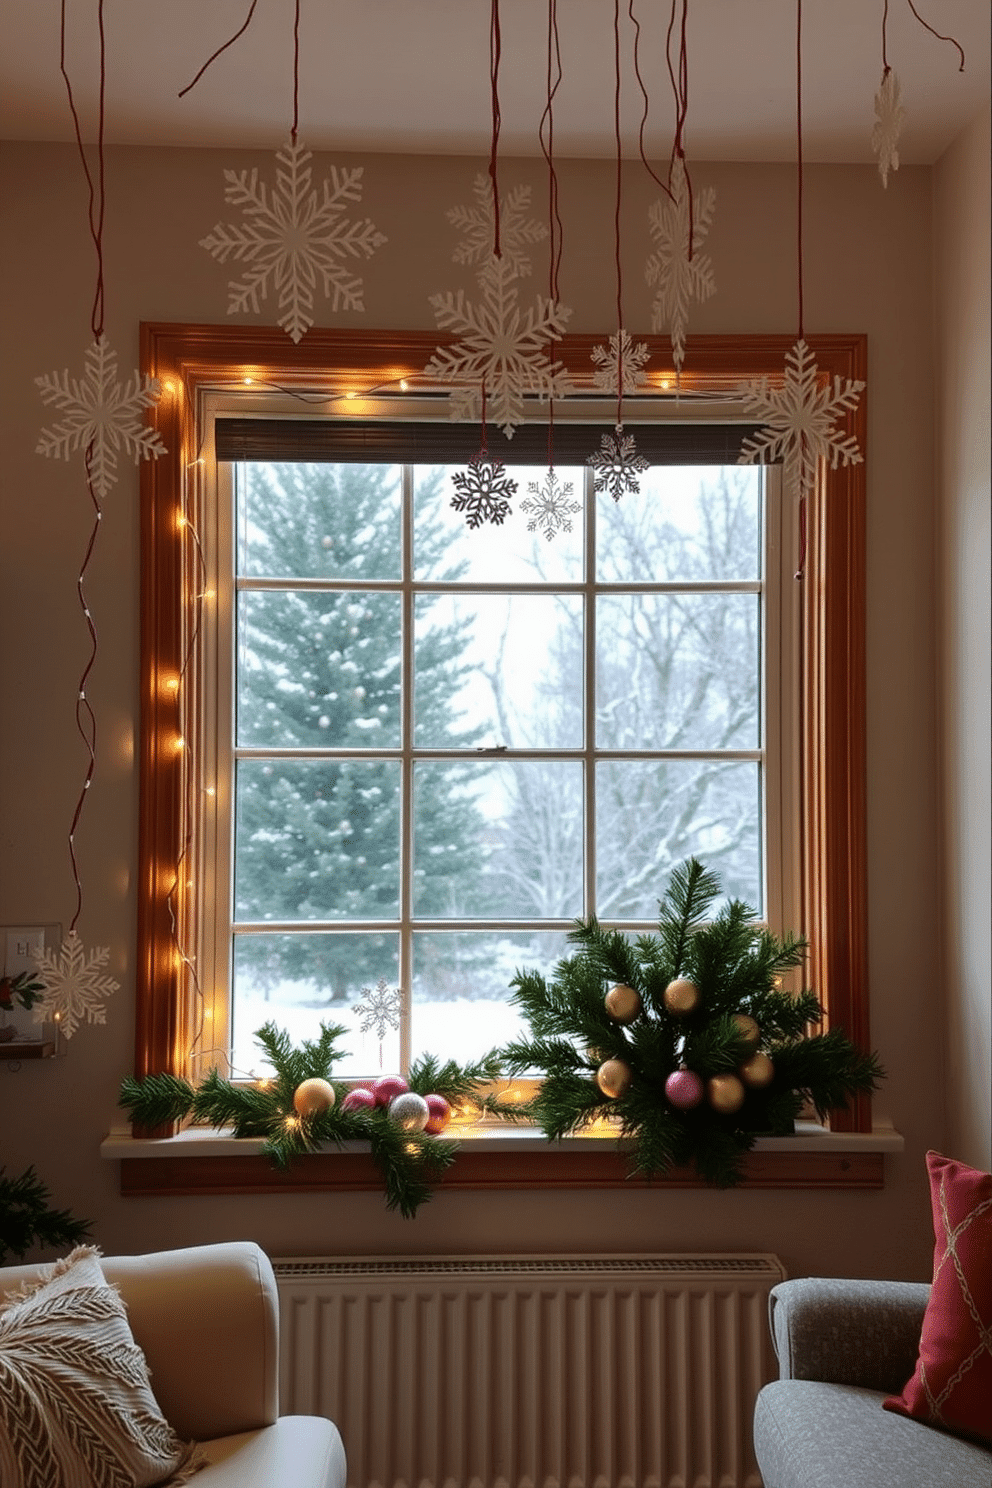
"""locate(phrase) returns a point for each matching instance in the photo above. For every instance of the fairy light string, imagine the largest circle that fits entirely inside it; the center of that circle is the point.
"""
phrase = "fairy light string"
(85, 717)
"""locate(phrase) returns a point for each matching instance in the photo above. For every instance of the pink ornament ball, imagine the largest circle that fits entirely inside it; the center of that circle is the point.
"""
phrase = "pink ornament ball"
(439, 1114)
(684, 1089)
(358, 1099)
(388, 1088)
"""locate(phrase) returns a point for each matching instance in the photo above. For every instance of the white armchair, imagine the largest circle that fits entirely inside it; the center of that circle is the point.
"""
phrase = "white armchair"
(207, 1319)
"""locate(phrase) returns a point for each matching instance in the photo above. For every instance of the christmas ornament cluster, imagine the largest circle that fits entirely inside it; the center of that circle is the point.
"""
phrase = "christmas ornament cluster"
(301, 1109)
(685, 1039)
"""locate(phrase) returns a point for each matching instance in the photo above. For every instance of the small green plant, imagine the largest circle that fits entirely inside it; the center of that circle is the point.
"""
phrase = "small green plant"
(27, 1218)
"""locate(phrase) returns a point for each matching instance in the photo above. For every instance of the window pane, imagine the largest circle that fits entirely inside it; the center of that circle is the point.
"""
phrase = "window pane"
(318, 671)
(445, 547)
(516, 670)
(304, 521)
(461, 988)
(299, 981)
(514, 827)
(685, 523)
(677, 671)
(317, 839)
(653, 814)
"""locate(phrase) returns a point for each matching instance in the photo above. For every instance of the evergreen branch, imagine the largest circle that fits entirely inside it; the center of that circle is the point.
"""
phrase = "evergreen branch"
(156, 1100)
(27, 1219)
(691, 891)
(557, 1056)
(246, 1108)
(456, 1082)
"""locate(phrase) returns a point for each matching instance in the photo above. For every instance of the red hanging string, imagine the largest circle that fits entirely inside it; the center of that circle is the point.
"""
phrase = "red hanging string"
(296, 74)
(95, 209)
(939, 36)
(616, 212)
(495, 48)
(546, 134)
(213, 57)
(644, 112)
(885, 21)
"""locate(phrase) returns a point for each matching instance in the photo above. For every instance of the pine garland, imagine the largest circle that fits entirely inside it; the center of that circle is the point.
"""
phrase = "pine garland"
(410, 1163)
(735, 968)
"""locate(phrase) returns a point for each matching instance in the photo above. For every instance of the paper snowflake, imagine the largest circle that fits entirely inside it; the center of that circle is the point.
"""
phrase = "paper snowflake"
(889, 116)
(799, 420)
(517, 231)
(72, 989)
(379, 1008)
(499, 347)
(294, 234)
(679, 278)
(619, 366)
(103, 415)
(484, 492)
(549, 505)
(617, 465)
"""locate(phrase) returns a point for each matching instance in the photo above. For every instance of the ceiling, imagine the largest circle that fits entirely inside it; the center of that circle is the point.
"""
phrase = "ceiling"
(413, 75)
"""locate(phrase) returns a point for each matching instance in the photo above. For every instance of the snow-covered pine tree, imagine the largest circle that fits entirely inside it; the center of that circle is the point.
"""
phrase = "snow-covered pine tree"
(318, 839)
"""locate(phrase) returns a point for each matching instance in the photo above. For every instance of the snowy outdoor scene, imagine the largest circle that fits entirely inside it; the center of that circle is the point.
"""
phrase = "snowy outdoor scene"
(499, 857)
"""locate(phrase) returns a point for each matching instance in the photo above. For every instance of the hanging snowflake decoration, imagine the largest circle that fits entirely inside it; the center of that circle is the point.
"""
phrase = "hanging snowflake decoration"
(617, 465)
(500, 347)
(483, 491)
(679, 278)
(619, 366)
(549, 505)
(102, 415)
(379, 1008)
(72, 989)
(799, 421)
(517, 231)
(889, 116)
(294, 235)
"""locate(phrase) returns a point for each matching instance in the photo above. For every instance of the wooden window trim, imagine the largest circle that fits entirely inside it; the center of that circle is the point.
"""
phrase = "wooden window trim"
(190, 359)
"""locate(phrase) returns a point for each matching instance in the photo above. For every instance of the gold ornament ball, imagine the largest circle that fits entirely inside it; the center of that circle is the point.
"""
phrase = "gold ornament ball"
(681, 997)
(758, 1072)
(614, 1078)
(747, 1029)
(725, 1094)
(311, 1097)
(623, 1003)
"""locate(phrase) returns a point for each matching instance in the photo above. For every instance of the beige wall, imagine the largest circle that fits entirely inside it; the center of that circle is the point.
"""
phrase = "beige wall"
(962, 278)
(869, 270)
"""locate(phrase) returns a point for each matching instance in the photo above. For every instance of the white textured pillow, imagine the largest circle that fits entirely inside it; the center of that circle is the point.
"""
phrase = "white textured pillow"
(76, 1407)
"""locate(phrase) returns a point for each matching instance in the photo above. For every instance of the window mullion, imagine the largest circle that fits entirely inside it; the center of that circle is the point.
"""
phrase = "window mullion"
(406, 883)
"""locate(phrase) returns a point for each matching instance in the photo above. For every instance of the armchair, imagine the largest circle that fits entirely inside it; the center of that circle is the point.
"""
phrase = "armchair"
(842, 1347)
(207, 1320)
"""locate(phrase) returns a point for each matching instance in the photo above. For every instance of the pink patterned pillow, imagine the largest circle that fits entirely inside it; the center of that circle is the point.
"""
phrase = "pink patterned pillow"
(952, 1385)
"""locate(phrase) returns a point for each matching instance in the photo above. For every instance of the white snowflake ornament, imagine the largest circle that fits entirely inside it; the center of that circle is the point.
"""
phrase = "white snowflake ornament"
(294, 234)
(889, 116)
(550, 506)
(102, 416)
(799, 421)
(499, 347)
(679, 278)
(72, 988)
(619, 366)
(617, 465)
(483, 492)
(517, 231)
(379, 1008)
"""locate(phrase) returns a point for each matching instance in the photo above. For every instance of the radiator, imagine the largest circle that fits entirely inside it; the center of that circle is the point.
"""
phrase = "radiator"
(532, 1372)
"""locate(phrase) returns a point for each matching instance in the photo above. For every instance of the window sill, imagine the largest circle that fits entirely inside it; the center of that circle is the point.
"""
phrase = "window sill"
(199, 1161)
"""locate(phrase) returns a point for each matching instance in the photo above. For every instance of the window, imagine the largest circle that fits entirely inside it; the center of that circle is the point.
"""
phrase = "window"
(453, 741)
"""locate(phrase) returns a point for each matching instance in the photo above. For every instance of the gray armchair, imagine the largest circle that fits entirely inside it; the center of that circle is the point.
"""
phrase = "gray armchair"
(842, 1346)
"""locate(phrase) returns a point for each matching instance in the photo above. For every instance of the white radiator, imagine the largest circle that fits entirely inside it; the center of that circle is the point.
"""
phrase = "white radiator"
(532, 1372)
